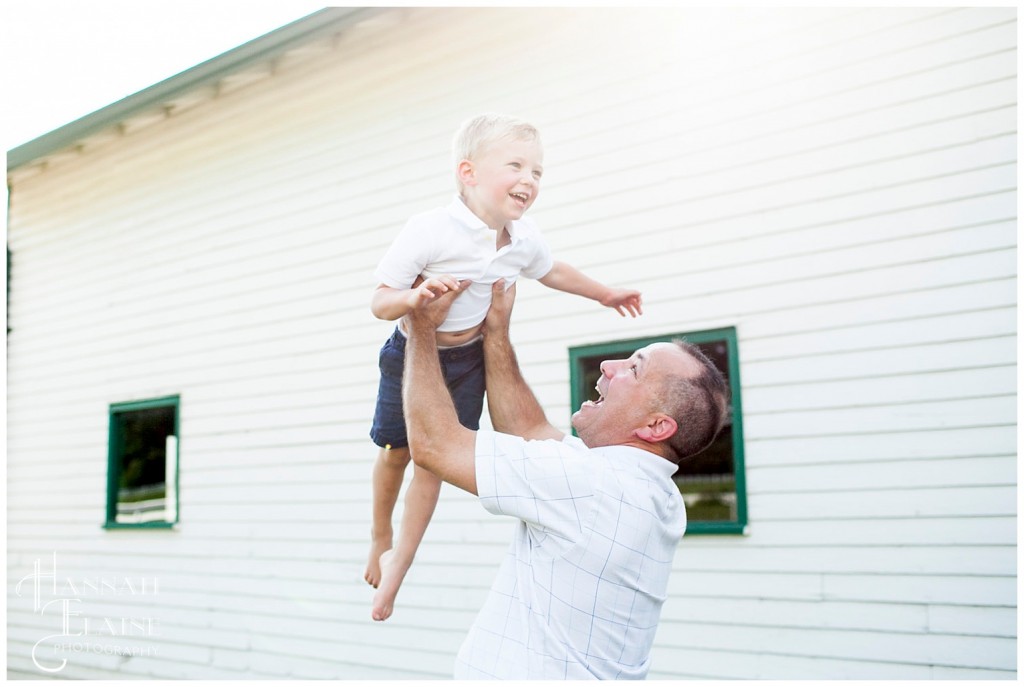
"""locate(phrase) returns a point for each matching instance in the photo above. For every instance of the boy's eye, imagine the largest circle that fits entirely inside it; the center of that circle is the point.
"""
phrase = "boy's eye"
(514, 165)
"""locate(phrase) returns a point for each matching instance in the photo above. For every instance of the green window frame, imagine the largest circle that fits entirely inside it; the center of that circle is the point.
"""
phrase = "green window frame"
(8, 285)
(142, 464)
(710, 495)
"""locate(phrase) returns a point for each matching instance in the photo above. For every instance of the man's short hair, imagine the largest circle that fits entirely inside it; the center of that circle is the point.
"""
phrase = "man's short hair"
(699, 404)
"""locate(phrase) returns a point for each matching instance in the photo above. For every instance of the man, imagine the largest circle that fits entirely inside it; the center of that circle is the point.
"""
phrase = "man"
(580, 590)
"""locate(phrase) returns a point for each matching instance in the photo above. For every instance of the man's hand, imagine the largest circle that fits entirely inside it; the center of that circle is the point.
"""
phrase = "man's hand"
(513, 407)
(433, 306)
(500, 312)
(624, 300)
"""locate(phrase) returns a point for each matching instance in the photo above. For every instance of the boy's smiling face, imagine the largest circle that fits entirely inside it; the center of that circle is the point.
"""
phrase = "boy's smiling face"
(503, 181)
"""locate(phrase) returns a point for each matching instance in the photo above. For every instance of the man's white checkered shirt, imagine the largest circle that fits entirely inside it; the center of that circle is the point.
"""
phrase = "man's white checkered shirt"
(579, 593)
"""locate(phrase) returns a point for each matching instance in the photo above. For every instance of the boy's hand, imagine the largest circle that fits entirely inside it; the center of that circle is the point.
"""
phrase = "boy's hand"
(432, 311)
(425, 290)
(624, 300)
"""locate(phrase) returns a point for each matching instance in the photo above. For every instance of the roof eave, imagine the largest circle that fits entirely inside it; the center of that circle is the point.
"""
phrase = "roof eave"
(265, 47)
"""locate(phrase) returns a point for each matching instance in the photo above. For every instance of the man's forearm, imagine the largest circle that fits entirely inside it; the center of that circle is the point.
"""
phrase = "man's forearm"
(513, 407)
(437, 442)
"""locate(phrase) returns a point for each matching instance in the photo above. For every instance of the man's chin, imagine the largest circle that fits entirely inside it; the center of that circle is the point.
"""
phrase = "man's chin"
(588, 408)
(577, 423)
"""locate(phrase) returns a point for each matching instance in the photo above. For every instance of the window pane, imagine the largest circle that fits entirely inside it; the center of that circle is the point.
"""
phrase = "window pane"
(708, 479)
(142, 463)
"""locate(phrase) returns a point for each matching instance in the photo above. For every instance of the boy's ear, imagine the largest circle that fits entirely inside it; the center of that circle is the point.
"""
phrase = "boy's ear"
(659, 428)
(466, 173)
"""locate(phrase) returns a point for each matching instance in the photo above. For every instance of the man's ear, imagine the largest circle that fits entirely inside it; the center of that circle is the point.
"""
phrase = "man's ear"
(466, 173)
(659, 428)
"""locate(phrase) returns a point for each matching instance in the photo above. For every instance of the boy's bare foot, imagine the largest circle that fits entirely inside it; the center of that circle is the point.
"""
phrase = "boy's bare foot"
(378, 545)
(392, 574)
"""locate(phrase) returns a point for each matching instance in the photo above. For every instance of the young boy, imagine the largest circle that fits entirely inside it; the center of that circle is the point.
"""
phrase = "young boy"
(481, 236)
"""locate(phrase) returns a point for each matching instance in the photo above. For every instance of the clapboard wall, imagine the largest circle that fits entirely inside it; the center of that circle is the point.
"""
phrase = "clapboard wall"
(839, 185)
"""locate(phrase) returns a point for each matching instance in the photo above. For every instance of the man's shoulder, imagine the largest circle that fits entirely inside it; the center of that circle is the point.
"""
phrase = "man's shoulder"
(574, 442)
(491, 442)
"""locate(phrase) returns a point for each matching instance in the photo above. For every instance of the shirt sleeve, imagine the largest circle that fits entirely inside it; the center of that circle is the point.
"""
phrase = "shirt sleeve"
(407, 257)
(546, 484)
(542, 260)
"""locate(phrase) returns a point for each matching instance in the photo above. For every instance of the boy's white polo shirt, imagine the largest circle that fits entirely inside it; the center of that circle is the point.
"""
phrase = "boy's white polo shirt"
(452, 240)
(579, 592)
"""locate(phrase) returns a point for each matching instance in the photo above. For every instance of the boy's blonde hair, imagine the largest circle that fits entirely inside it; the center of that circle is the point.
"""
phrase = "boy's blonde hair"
(477, 133)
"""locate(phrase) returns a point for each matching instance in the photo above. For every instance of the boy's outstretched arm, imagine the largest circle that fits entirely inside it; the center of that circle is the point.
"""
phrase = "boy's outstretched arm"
(513, 407)
(389, 303)
(565, 277)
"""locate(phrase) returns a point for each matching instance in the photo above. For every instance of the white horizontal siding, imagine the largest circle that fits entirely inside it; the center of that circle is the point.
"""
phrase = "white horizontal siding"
(839, 185)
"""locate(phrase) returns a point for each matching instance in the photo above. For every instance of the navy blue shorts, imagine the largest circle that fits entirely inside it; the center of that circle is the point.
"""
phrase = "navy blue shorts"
(463, 370)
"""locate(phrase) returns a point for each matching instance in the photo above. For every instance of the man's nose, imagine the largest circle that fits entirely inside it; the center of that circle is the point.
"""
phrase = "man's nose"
(609, 367)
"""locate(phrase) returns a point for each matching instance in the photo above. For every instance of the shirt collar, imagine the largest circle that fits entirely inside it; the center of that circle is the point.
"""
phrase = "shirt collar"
(462, 214)
(651, 463)
(458, 210)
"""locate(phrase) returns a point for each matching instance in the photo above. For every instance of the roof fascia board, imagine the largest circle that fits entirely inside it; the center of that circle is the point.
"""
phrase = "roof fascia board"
(265, 47)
